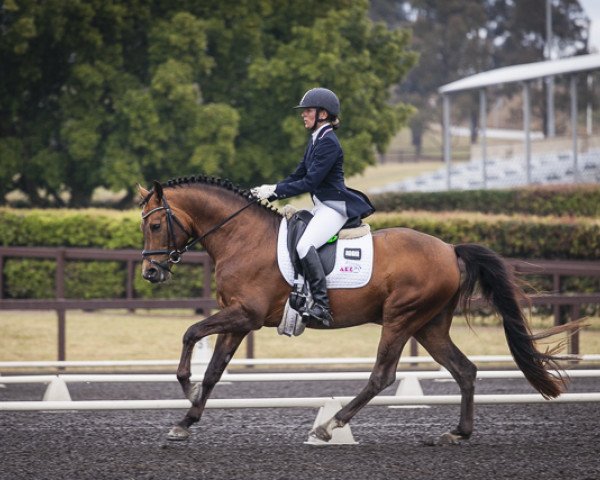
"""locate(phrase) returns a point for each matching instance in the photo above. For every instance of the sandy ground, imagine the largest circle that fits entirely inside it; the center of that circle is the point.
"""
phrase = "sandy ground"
(550, 441)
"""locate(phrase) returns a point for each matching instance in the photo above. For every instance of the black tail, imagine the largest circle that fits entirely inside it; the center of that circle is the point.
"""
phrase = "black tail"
(499, 286)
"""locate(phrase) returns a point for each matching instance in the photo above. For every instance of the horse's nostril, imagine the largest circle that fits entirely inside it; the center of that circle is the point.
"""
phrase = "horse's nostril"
(150, 274)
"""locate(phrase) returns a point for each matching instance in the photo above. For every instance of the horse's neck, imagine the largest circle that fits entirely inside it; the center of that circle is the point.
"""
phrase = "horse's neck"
(246, 233)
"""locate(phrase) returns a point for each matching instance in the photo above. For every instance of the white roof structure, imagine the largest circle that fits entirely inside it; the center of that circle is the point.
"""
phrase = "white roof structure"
(523, 72)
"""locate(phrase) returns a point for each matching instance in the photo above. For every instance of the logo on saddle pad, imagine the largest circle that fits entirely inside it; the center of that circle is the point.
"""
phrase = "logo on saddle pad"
(350, 268)
(353, 261)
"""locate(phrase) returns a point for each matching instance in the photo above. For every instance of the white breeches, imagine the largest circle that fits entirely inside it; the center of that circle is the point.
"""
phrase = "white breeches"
(324, 225)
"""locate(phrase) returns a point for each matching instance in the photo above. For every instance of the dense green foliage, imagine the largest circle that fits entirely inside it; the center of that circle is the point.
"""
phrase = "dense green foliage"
(33, 278)
(114, 93)
(577, 201)
(511, 236)
(521, 237)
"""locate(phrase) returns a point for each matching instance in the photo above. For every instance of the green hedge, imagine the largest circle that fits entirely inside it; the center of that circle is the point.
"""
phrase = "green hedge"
(579, 201)
(511, 236)
(33, 278)
(70, 228)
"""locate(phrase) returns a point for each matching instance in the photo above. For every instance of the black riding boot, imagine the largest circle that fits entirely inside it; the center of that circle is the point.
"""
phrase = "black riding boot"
(315, 276)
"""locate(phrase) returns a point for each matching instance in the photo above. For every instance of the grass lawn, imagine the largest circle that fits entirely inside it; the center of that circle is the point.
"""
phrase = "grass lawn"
(120, 335)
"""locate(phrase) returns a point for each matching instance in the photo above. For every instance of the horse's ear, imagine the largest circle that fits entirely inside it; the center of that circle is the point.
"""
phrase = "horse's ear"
(158, 190)
(143, 192)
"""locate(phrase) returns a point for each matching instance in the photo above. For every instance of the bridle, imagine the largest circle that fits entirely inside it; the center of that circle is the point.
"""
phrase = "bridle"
(173, 253)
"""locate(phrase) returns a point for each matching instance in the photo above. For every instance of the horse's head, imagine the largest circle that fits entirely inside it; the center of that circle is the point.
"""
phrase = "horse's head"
(166, 232)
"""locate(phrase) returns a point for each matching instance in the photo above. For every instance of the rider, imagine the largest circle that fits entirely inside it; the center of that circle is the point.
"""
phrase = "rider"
(321, 174)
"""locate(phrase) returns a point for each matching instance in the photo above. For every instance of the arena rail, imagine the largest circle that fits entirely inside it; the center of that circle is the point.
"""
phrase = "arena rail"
(409, 384)
(293, 402)
(369, 361)
(272, 377)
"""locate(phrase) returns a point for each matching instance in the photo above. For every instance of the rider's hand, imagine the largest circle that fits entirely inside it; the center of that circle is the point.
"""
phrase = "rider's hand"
(264, 191)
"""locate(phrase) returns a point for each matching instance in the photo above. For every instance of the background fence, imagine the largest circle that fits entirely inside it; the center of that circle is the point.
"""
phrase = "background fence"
(566, 306)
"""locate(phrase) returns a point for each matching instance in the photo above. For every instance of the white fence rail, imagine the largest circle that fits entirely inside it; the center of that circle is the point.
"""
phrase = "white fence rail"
(256, 362)
(272, 377)
(293, 402)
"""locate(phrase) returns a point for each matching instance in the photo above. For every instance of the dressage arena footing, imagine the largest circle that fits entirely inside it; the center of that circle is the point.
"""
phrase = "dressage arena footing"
(408, 394)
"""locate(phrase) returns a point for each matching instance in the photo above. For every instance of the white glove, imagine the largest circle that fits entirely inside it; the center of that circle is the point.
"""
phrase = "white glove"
(264, 191)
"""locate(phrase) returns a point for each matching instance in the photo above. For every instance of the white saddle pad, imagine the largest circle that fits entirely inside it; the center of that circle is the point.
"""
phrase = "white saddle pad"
(353, 261)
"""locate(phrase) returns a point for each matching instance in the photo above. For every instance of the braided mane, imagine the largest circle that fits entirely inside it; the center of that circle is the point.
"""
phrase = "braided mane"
(217, 182)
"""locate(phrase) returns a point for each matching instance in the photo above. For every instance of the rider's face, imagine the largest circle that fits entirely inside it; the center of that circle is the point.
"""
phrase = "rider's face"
(309, 116)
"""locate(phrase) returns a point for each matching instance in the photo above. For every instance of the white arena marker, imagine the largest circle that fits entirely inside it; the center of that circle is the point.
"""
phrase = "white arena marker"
(409, 386)
(57, 391)
(340, 436)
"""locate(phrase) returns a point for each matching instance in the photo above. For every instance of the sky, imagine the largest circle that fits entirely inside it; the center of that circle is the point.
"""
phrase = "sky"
(592, 9)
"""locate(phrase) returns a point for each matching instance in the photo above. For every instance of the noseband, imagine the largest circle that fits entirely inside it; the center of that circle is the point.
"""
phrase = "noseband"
(173, 253)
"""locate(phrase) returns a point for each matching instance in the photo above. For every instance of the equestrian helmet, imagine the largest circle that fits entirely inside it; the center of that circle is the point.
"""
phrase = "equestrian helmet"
(321, 98)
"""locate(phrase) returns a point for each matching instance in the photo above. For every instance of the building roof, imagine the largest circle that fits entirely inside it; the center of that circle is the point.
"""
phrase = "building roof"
(526, 71)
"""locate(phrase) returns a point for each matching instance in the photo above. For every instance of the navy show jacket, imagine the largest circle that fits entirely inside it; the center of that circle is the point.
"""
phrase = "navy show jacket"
(321, 174)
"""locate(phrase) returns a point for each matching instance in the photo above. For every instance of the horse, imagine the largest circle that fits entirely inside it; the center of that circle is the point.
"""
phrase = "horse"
(417, 283)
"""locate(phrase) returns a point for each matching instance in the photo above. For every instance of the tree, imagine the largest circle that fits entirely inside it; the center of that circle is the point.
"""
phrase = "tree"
(345, 52)
(112, 92)
(100, 93)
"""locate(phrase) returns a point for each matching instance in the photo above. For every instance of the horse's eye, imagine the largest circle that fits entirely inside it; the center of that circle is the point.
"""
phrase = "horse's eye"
(155, 226)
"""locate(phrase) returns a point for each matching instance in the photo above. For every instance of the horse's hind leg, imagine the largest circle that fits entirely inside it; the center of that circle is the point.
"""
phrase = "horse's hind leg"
(435, 338)
(383, 375)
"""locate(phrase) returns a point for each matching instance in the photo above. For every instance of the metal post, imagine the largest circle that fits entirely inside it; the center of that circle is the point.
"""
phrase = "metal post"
(446, 129)
(588, 113)
(527, 128)
(550, 107)
(551, 129)
(573, 89)
(483, 133)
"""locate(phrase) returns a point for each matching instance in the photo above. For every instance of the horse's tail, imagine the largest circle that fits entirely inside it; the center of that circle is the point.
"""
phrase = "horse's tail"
(499, 286)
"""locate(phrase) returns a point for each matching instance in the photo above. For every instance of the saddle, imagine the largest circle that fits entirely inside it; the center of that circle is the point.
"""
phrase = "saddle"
(297, 221)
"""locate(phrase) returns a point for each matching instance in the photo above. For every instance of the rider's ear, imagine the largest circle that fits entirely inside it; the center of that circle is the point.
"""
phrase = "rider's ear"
(158, 190)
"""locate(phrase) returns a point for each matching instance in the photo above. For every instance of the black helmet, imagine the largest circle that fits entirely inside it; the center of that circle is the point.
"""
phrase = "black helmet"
(321, 98)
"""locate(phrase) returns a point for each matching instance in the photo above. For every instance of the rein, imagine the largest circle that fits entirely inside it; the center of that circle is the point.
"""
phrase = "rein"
(174, 254)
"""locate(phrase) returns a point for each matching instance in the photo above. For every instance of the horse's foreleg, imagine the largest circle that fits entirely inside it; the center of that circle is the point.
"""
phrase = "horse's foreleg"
(231, 320)
(382, 376)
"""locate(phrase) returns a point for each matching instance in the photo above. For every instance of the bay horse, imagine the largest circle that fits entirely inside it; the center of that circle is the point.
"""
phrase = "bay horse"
(413, 292)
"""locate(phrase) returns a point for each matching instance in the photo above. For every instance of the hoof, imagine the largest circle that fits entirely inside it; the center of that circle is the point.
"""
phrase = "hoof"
(320, 433)
(444, 439)
(178, 434)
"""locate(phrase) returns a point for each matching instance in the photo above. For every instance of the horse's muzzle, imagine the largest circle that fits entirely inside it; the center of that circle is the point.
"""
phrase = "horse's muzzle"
(156, 275)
